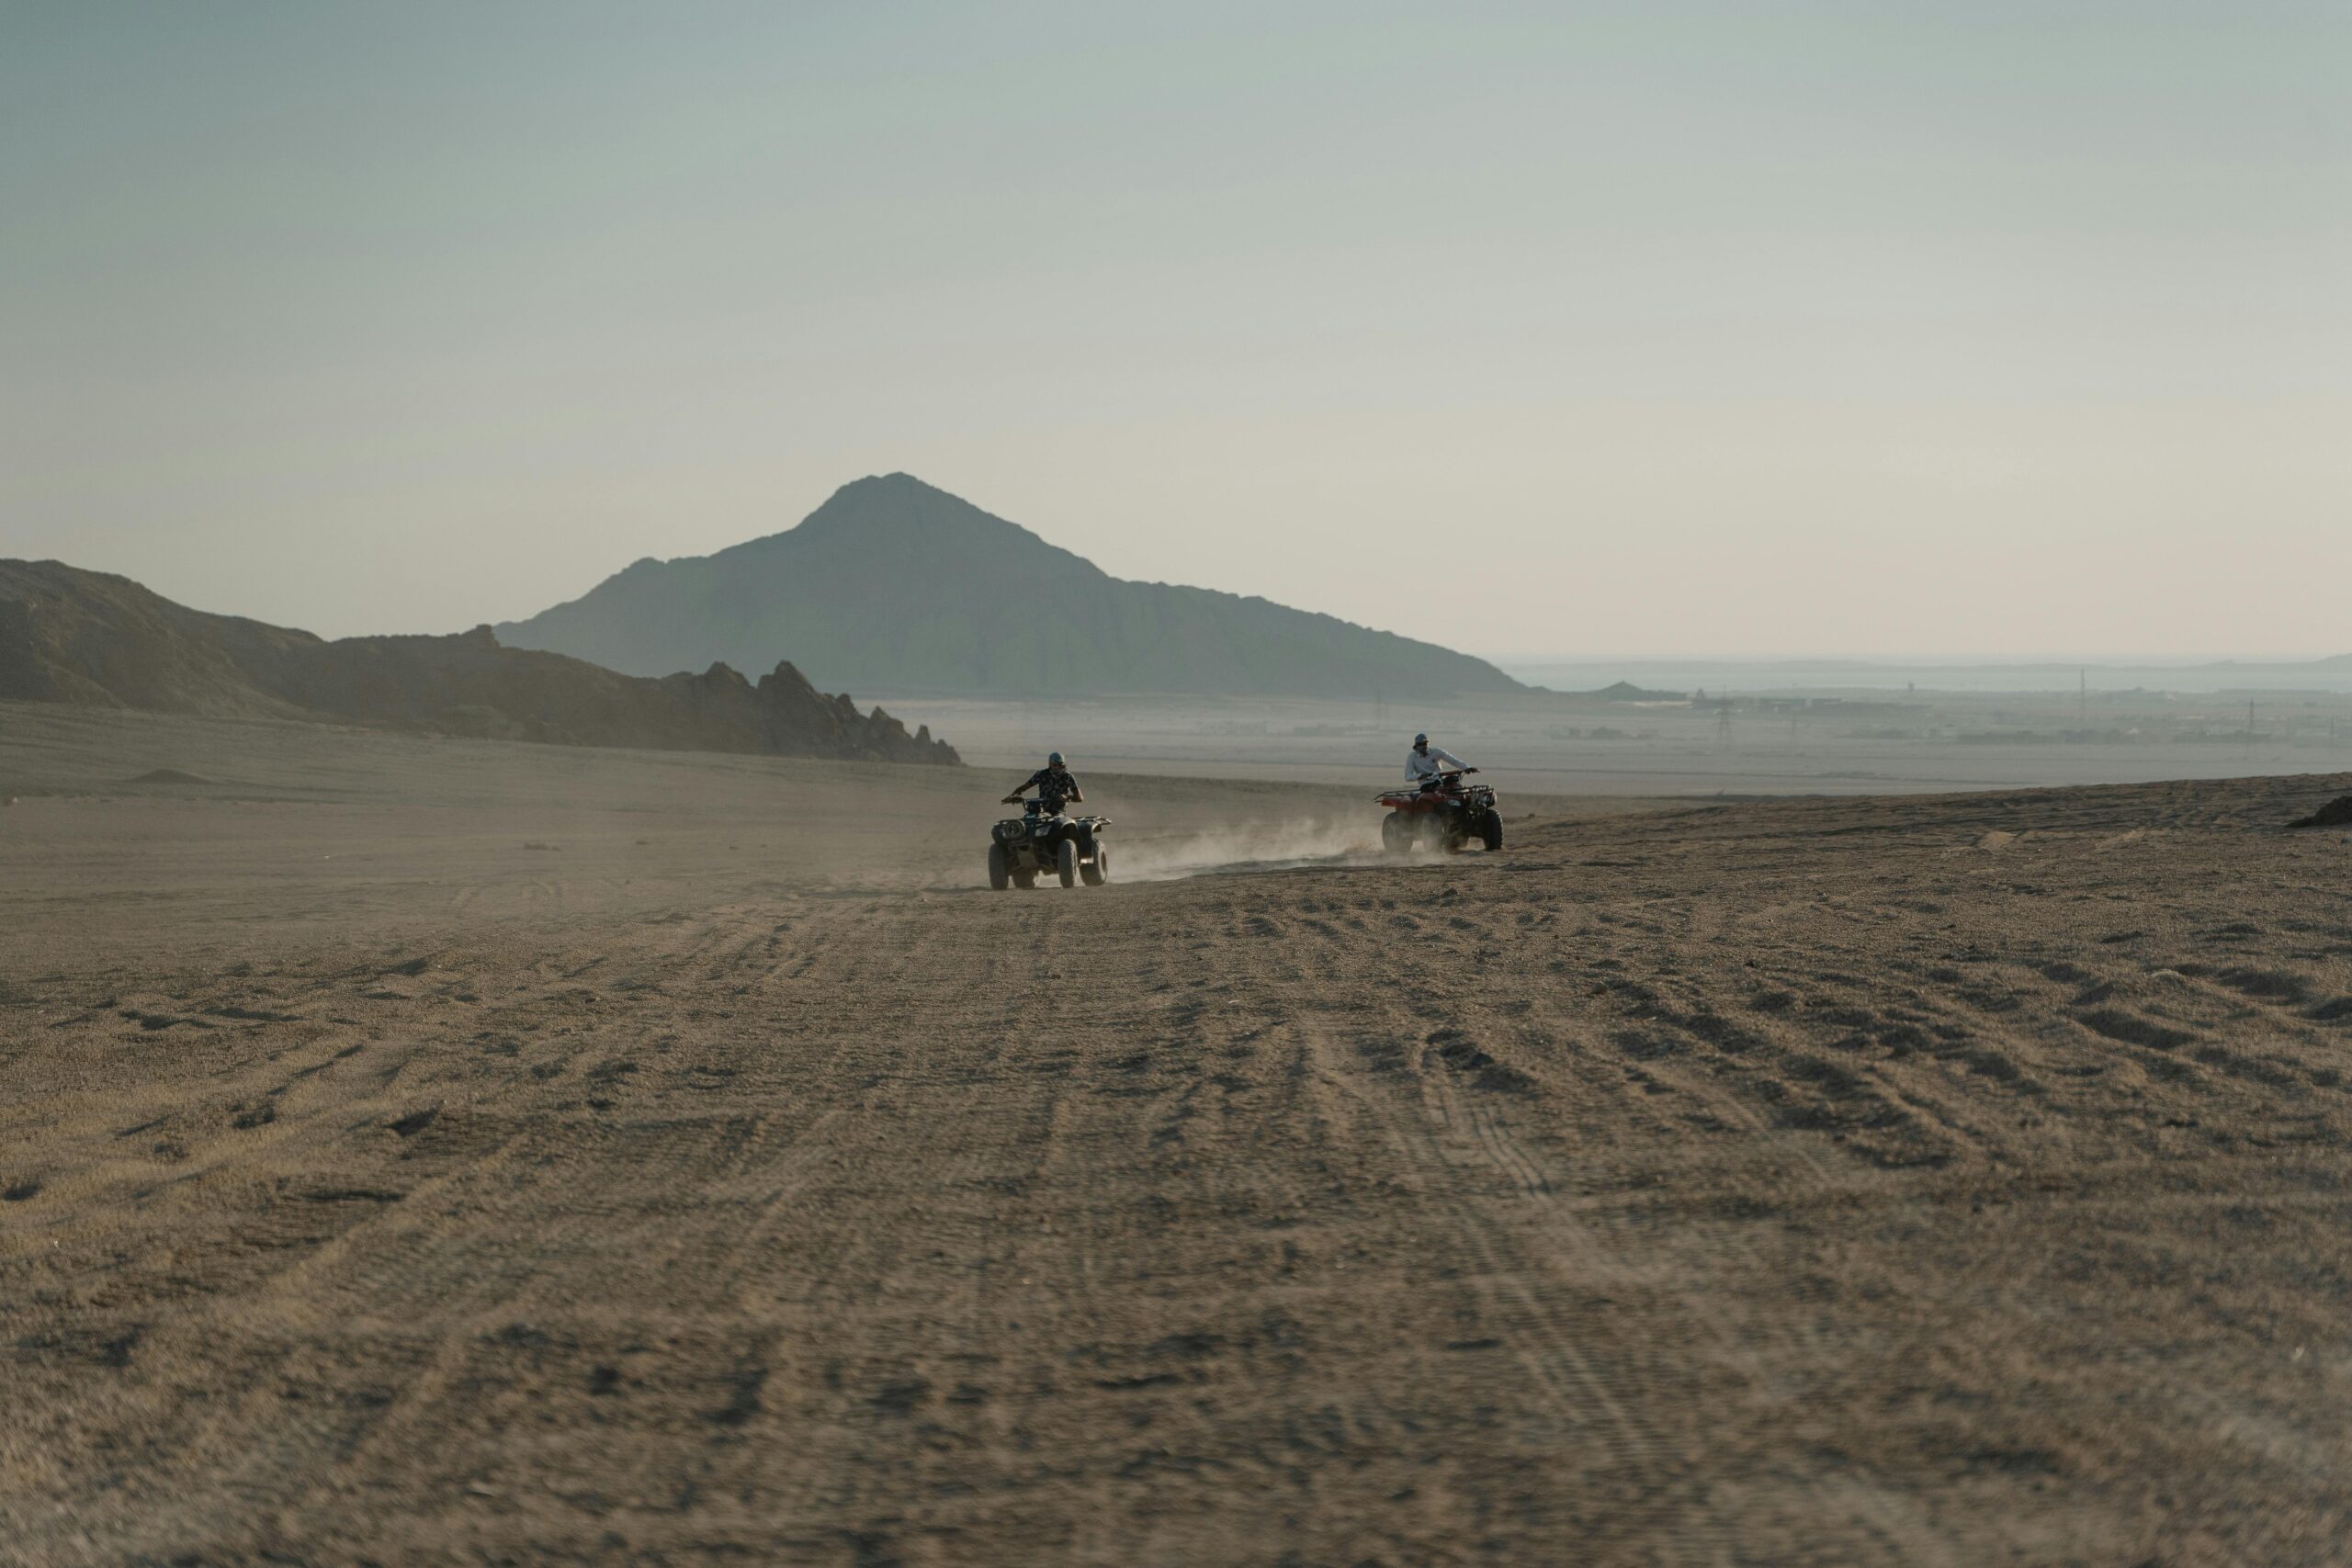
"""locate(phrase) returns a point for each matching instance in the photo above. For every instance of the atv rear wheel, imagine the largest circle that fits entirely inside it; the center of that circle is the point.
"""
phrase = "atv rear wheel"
(1491, 831)
(1097, 870)
(1066, 862)
(1000, 874)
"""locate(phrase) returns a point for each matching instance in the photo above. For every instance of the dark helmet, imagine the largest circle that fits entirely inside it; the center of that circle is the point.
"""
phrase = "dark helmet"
(1420, 740)
(1055, 760)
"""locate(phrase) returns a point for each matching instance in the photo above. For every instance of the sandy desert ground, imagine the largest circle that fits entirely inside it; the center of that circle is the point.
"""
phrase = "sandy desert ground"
(437, 1152)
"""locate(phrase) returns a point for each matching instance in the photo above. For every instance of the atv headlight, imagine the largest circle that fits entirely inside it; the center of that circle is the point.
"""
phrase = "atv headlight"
(1008, 829)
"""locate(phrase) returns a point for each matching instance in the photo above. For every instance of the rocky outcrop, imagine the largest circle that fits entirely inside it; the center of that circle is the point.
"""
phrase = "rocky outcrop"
(68, 635)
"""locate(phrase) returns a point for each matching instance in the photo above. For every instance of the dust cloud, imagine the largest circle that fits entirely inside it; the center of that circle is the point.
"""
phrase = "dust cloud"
(1257, 846)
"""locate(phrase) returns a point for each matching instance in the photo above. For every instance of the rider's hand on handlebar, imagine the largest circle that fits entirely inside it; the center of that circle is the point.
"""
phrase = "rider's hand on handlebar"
(1012, 800)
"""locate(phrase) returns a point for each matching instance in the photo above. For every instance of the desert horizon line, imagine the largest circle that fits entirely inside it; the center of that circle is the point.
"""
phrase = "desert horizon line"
(1956, 660)
(1962, 660)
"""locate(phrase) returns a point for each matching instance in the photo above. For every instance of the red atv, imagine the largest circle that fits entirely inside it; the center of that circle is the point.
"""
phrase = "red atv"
(1441, 813)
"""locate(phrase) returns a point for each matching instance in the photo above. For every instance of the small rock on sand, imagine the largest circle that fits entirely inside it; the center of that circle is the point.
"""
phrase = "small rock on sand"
(2336, 813)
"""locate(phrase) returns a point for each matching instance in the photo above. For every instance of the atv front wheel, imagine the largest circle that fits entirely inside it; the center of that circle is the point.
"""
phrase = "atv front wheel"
(1000, 874)
(1066, 862)
(1097, 870)
(1491, 831)
(1396, 833)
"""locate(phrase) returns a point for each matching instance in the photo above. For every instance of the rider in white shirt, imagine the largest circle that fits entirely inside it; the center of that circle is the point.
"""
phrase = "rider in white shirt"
(1426, 762)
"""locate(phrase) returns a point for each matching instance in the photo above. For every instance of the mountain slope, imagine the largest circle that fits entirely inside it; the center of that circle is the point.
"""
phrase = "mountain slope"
(894, 584)
(98, 640)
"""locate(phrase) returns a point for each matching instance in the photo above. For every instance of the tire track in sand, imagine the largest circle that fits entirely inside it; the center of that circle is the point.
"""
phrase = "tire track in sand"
(1553, 1304)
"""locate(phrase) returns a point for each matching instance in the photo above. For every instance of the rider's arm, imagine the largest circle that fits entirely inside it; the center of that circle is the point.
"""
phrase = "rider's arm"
(1444, 756)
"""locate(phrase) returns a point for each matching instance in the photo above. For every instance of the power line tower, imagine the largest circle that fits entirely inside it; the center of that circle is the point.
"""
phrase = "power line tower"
(1723, 720)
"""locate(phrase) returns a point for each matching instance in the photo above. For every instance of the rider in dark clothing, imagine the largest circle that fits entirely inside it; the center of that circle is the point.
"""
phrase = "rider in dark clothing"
(1055, 786)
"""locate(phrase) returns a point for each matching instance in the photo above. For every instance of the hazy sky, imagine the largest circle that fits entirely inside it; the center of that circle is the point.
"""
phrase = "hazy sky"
(1780, 329)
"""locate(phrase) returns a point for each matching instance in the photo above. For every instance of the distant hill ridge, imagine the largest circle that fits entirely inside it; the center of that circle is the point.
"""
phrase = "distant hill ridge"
(98, 640)
(893, 584)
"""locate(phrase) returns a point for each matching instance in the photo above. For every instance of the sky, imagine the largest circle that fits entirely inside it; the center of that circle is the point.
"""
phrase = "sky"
(1992, 329)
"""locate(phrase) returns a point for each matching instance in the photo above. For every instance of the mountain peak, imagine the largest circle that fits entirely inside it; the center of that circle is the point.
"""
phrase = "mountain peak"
(899, 479)
(896, 485)
(895, 586)
(897, 499)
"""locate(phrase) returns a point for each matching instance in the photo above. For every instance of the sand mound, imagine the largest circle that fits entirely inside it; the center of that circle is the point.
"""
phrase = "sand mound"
(167, 776)
(2336, 813)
